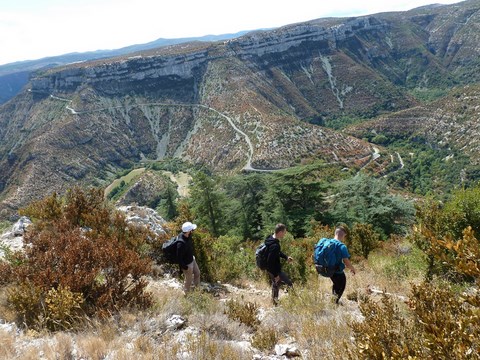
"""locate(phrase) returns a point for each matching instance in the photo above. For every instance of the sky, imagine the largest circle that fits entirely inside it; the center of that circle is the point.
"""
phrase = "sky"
(32, 29)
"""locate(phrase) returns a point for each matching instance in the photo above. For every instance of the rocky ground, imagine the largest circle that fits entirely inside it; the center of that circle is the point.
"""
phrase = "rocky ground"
(128, 333)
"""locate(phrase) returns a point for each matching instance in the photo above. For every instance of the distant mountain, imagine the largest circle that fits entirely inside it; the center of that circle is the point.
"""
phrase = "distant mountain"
(14, 76)
(254, 102)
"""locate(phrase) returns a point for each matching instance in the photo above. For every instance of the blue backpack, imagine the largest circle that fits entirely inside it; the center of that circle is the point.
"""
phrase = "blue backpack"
(325, 257)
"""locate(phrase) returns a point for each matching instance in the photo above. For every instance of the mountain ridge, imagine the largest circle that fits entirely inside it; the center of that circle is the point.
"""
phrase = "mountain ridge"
(83, 122)
(14, 76)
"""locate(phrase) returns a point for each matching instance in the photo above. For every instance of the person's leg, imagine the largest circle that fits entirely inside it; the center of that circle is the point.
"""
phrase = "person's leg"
(339, 283)
(284, 279)
(196, 273)
(188, 274)
(275, 288)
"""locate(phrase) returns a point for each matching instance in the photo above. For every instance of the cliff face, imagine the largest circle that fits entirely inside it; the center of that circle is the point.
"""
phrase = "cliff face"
(252, 102)
(169, 63)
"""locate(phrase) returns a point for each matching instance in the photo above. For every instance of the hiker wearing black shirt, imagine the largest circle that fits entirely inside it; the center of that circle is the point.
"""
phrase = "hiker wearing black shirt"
(274, 267)
(186, 260)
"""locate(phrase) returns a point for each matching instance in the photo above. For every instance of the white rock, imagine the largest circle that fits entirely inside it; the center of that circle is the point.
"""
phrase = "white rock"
(18, 229)
(175, 322)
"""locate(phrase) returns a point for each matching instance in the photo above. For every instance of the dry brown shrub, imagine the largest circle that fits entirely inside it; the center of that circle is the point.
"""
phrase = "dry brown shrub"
(244, 312)
(78, 244)
(92, 347)
(439, 323)
(7, 345)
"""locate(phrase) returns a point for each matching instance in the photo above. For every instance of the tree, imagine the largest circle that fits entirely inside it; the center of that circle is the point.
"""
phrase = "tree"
(167, 205)
(292, 198)
(208, 203)
(364, 199)
(246, 192)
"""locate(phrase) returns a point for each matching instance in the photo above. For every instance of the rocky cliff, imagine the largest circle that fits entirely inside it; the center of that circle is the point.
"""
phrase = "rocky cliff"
(254, 102)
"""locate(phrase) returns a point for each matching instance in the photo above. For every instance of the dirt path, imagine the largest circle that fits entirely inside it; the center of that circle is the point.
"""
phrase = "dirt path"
(182, 180)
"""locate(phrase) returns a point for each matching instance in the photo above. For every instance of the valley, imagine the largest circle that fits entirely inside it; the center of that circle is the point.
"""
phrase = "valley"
(371, 123)
(329, 89)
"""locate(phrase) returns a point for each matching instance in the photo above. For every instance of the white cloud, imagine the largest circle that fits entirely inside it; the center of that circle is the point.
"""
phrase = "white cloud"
(37, 28)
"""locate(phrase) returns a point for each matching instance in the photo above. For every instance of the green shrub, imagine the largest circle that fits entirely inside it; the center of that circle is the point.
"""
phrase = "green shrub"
(439, 228)
(62, 309)
(198, 302)
(362, 239)
(4, 225)
(439, 322)
(232, 259)
(384, 333)
(26, 299)
(301, 251)
(399, 269)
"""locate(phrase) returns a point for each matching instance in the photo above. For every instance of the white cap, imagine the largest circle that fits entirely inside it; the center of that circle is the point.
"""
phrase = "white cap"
(188, 226)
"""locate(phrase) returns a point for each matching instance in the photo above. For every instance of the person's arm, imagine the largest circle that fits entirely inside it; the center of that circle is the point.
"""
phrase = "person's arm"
(286, 257)
(349, 265)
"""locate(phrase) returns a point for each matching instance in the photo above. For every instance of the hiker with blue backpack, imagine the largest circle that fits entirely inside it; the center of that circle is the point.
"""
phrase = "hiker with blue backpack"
(331, 256)
(273, 265)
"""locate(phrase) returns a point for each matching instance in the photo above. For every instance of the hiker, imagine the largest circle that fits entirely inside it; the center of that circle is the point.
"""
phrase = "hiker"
(342, 257)
(186, 260)
(274, 267)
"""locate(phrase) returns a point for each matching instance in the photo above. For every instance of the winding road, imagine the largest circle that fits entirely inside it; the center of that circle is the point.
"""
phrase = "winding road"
(248, 165)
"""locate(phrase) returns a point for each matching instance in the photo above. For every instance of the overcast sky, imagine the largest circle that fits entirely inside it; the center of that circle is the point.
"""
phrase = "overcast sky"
(32, 29)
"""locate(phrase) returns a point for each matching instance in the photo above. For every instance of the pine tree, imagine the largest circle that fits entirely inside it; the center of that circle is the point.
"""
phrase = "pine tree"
(207, 203)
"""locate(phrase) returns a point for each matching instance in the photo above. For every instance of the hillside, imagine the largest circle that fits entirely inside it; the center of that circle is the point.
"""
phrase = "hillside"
(255, 102)
(451, 122)
(439, 140)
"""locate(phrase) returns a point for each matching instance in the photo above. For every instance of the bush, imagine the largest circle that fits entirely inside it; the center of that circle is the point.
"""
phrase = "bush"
(399, 269)
(265, 340)
(301, 250)
(232, 259)
(246, 313)
(383, 334)
(79, 253)
(441, 229)
(439, 323)
(56, 310)
(362, 239)
(4, 225)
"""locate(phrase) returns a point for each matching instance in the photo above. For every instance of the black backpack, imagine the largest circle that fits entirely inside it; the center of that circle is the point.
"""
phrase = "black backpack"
(261, 254)
(169, 249)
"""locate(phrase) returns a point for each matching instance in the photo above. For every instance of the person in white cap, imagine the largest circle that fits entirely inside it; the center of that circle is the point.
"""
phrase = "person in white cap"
(185, 256)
